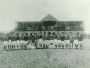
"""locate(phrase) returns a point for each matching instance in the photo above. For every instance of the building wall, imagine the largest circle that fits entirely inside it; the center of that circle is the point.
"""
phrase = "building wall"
(46, 28)
(50, 26)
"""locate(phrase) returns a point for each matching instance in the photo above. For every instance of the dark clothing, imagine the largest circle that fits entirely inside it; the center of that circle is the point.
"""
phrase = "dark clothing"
(80, 38)
(71, 40)
(62, 38)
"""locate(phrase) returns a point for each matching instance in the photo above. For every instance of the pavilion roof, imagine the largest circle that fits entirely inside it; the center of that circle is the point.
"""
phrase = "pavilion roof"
(49, 17)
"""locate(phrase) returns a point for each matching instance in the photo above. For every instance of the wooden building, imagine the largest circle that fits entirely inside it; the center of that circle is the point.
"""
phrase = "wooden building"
(49, 26)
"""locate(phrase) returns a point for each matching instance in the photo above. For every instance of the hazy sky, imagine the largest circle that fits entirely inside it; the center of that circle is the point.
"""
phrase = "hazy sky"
(12, 11)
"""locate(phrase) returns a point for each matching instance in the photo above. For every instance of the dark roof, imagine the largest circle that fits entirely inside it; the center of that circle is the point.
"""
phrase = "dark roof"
(49, 17)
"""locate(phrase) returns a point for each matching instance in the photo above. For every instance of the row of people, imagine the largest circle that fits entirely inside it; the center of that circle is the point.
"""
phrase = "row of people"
(57, 43)
(42, 44)
(46, 37)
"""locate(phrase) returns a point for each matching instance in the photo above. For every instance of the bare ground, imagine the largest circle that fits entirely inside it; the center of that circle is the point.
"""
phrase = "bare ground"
(45, 58)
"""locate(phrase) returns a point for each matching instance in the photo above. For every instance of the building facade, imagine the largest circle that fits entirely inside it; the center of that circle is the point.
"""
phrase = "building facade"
(49, 26)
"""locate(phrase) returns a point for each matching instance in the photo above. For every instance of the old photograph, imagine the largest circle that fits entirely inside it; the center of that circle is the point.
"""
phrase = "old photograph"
(44, 34)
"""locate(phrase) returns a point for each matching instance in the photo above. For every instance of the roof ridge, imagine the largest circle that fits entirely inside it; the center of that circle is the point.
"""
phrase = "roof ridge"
(49, 17)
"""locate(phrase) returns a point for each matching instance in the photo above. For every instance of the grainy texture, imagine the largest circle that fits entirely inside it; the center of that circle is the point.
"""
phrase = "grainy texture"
(46, 58)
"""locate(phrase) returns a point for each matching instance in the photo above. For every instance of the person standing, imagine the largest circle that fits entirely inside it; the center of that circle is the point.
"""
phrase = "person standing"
(80, 39)
(71, 40)
(62, 41)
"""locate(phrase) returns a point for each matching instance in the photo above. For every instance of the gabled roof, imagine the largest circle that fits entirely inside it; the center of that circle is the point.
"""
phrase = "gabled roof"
(49, 17)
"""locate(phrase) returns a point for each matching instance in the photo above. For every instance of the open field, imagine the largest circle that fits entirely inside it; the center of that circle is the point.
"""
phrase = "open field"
(46, 58)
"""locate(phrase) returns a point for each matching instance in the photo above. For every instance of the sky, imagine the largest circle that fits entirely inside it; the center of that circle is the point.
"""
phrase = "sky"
(12, 11)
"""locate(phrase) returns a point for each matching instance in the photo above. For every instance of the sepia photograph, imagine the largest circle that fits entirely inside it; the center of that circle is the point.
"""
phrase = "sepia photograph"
(44, 34)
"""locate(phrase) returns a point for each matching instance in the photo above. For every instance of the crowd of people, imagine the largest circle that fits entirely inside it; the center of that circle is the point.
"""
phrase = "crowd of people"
(27, 37)
(39, 41)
